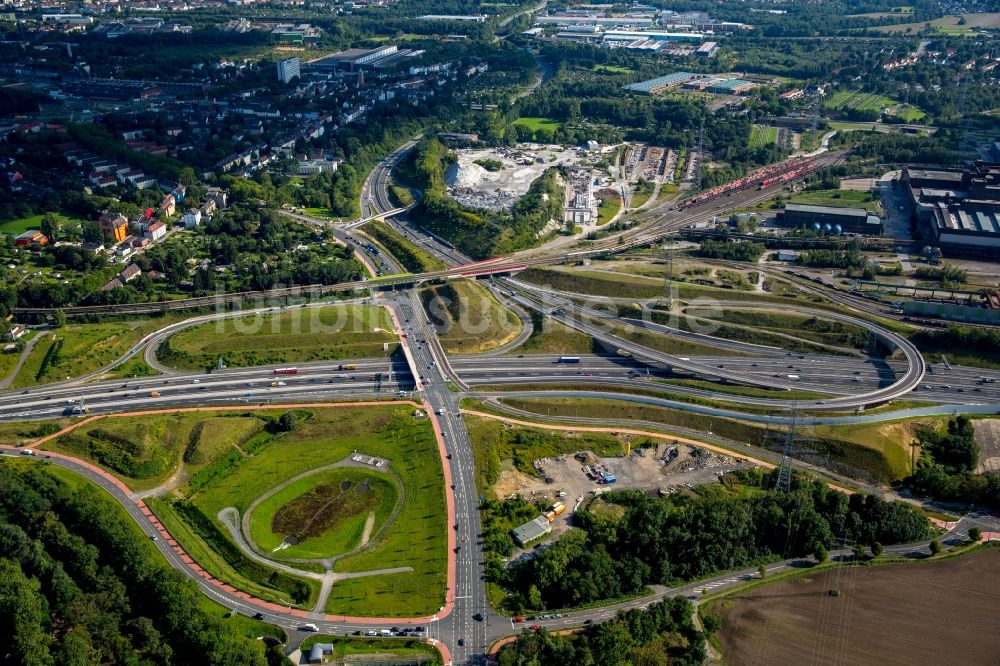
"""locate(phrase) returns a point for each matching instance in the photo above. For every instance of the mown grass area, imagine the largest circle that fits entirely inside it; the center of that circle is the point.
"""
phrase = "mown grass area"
(467, 317)
(19, 226)
(84, 348)
(610, 205)
(536, 123)
(416, 537)
(327, 518)
(142, 452)
(669, 344)
(233, 567)
(839, 199)
(625, 285)
(614, 69)
(260, 455)
(495, 443)
(412, 258)
(762, 135)
(8, 360)
(296, 335)
(760, 327)
(946, 25)
(883, 459)
(748, 391)
(394, 648)
(130, 369)
(551, 337)
(861, 100)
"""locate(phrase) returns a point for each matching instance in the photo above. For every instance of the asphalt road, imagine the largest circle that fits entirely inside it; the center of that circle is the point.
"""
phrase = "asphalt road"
(428, 369)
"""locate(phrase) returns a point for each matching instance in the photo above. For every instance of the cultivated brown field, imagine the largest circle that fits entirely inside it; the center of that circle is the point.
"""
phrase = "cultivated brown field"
(921, 613)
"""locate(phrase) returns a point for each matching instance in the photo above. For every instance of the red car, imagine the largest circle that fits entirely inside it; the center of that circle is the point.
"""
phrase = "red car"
(518, 619)
(535, 627)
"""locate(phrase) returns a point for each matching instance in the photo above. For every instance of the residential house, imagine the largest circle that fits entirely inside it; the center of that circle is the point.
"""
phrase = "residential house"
(15, 333)
(156, 231)
(115, 226)
(192, 218)
(31, 237)
(130, 273)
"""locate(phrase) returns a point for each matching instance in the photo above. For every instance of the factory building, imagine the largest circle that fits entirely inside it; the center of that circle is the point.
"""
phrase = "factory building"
(352, 60)
(657, 35)
(831, 220)
(563, 21)
(958, 210)
(661, 83)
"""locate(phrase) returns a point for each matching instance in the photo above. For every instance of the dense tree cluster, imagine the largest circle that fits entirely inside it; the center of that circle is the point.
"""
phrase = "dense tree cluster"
(676, 538)
(900, 148)
(824, 258)
(80, 585)
(663, 633)
(730, 250)
(946, 469)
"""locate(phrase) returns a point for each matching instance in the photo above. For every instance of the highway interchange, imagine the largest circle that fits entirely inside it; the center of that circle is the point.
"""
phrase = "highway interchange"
(423, 370)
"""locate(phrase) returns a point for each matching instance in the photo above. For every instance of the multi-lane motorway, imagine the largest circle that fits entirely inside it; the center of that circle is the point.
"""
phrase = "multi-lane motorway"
(466, 625)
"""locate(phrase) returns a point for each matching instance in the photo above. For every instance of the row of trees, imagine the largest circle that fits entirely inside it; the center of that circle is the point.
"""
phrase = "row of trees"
(80, 585)
(730, 250)
(663, 633)
(676, 538)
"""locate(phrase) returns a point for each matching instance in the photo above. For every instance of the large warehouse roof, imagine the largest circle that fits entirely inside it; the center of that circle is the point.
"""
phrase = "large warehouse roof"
(660, 81)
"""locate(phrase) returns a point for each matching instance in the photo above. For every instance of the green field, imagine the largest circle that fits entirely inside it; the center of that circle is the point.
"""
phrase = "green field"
(613, 69)
(551, 337)
(839, 199)
(18, 227)
(947, 25)
(872, 101)
(85, 348)
(610, 205)
(468, 318)
(535, 124)
(321, 497)
(225, 460)
(295, 335)
(762, 135)
(399, 649)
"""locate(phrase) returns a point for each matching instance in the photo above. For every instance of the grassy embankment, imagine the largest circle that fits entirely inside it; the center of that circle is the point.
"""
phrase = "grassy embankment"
(468, 318)
(77, 349)
(880, 451)
(413, 259)
(297, 335)
(219, 460)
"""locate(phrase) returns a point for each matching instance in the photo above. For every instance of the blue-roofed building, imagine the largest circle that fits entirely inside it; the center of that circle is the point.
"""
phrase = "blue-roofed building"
(661, 83)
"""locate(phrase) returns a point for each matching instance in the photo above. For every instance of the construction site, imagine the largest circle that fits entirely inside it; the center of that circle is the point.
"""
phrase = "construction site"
(507, 174)
(572, 480)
